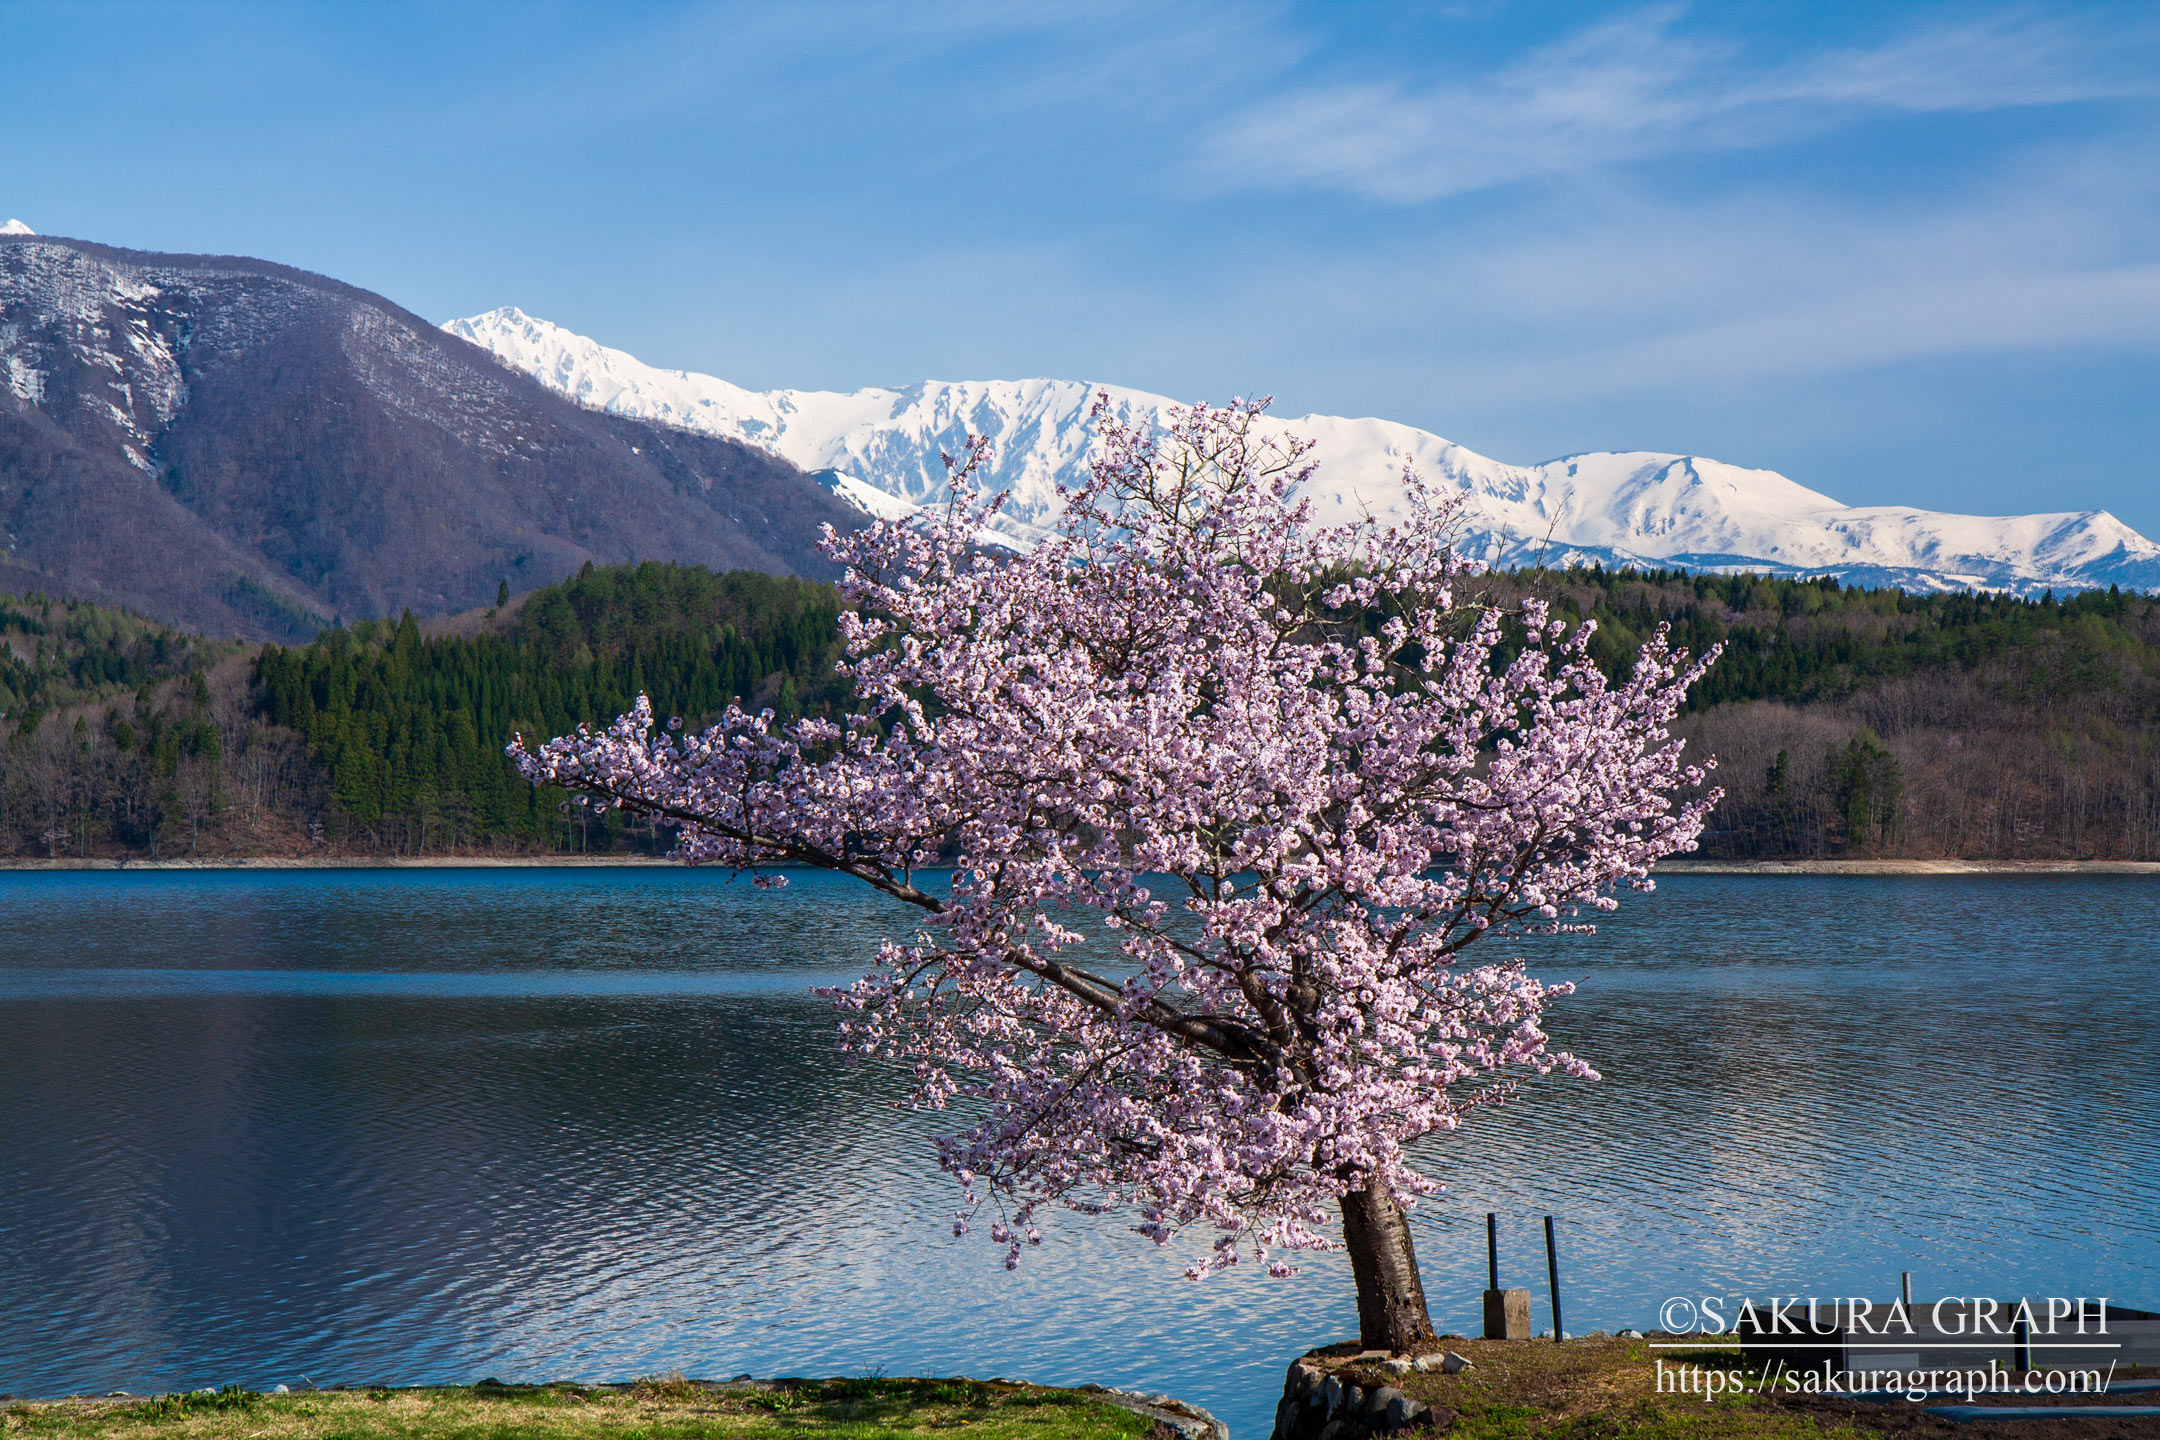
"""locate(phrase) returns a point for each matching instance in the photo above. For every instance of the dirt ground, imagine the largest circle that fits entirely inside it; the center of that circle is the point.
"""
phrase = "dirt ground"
(1601, 1388)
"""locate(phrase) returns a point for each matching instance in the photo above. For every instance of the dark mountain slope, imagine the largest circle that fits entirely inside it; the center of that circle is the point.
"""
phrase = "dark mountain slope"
(86, 525)
(236, 446)
(773, 502)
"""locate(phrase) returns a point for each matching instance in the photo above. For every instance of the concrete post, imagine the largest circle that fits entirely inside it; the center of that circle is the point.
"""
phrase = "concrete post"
(1507, 1314)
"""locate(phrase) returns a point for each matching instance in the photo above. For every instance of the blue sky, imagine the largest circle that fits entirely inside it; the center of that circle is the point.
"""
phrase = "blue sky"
(1905, 254)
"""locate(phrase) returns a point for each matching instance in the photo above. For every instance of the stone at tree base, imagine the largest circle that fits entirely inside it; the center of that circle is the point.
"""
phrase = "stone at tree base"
(1402, 1412)
(1507, 1314)
(1319, 1406)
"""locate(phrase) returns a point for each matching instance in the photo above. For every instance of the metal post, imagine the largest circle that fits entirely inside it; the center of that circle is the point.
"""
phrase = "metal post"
(1492, 1250)
(1905, 1289)
(1552, 1275)
(2021, 1346)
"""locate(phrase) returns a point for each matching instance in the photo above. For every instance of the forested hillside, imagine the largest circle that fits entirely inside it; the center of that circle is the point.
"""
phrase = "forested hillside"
(1847, 722)
(122, 737)
(109, 739)
(409, 731)
(58, 653)
(1854, 722)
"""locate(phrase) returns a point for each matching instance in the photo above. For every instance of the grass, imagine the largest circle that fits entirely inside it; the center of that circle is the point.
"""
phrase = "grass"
(1607, 1389)
(1597, 1390)
(668, 1408)
(1591, 1389)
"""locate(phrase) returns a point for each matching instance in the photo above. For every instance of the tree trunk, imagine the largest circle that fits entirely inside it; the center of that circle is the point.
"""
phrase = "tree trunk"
(1390, 1297)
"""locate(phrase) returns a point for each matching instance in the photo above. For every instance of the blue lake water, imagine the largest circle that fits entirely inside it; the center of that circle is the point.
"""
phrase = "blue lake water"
(401, 1127)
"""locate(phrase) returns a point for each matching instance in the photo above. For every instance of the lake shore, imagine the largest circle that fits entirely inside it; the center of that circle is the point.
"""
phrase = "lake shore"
(581, 862)
(744, 1409)
(351, 862)
(1510, 1390)
(1909, 867)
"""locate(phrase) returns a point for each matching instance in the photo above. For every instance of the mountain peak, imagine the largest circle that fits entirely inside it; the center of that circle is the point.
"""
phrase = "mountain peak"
(16, 227)
(500, 315)
(1619, 509)
(236, 447)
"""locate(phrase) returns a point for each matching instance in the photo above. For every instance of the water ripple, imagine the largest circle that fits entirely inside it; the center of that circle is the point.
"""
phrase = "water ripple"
(410, 1127)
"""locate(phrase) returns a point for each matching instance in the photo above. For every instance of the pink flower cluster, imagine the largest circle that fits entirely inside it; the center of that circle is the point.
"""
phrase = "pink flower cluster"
(1226, 798)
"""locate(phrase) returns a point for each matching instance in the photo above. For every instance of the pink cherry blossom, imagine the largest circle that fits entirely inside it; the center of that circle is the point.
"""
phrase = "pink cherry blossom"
(1227, 798)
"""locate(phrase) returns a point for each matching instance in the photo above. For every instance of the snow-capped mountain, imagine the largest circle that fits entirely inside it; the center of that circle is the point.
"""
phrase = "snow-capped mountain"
(882, 448)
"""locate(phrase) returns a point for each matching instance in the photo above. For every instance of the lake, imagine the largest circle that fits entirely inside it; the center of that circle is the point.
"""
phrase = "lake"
(412, 1126)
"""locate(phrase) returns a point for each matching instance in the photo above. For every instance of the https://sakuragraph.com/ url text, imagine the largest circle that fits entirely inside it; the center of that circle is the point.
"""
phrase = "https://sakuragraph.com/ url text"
(1852, 1333)
(1709, 1382)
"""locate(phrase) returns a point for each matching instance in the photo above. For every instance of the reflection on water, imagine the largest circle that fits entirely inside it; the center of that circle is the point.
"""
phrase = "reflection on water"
(539, 1124)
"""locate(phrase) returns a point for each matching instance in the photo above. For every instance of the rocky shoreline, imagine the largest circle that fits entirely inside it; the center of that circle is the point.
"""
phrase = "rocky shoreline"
(1189, 1421)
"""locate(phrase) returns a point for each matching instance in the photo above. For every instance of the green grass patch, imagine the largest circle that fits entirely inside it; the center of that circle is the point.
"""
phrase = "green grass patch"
(668, 1408)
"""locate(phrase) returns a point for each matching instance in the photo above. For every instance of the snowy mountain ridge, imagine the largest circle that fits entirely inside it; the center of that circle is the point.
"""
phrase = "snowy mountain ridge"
(881, 449)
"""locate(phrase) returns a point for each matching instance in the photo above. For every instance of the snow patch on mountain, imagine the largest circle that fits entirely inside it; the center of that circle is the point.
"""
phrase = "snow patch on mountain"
(864, 496)
(883, 449)
(16, 227)
(100, 323)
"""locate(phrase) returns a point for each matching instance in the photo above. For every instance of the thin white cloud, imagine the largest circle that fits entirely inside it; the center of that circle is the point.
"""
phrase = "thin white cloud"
(1615, 294)
(1635, 88)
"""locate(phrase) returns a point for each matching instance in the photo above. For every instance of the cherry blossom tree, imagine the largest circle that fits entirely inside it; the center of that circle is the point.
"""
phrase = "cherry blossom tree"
(1204, 807)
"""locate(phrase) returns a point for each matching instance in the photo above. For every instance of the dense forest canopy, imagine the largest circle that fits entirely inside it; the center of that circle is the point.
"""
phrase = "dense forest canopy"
(59, 653)
(410, 731)
(1874, 722)
(1846, 721)
(1813, 640)
(105, 727)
